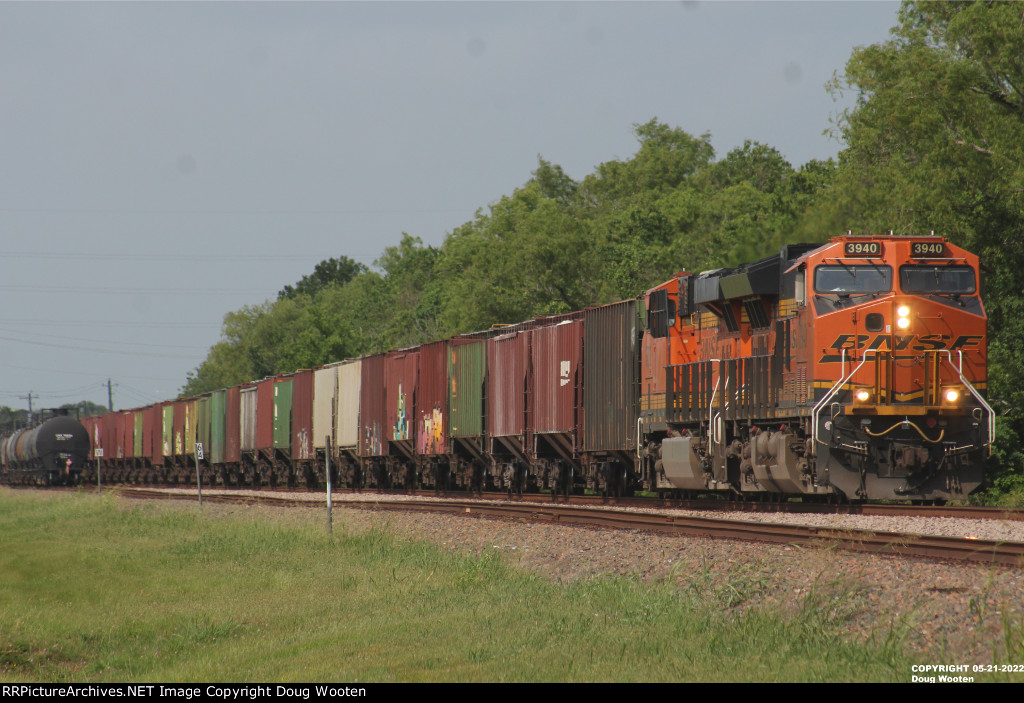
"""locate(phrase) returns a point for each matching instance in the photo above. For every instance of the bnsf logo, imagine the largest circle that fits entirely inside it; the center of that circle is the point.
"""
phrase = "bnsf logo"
(902, 342)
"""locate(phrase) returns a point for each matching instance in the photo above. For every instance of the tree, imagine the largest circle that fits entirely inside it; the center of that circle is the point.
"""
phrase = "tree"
(936, 143)
(329, 272)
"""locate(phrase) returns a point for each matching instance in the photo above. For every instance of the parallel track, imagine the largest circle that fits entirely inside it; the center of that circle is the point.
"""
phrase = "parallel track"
(888, 543)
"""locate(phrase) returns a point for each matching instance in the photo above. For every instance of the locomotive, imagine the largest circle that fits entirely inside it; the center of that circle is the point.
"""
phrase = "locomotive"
(854, 369)
(53, 452)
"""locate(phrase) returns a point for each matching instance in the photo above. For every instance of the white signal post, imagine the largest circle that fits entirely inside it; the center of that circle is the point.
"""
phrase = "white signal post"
(199, 483)
(327, 455)
(98, 454)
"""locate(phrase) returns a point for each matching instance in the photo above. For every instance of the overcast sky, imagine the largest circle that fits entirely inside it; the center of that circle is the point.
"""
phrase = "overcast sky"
(162, 164)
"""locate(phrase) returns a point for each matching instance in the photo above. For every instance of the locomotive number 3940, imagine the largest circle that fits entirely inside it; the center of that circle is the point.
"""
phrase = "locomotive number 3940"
(863, 249)
(927, 249)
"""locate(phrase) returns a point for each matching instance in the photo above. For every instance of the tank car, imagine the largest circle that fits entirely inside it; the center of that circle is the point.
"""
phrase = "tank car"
(856, 368)
(54, 452)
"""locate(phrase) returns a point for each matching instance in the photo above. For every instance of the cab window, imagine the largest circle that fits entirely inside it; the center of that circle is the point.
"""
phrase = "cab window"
(938, 279)
(853, 279)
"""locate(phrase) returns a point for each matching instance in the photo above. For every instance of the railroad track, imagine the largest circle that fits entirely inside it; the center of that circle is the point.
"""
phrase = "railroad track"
(716, 504)
(874, 542)
(739, 506)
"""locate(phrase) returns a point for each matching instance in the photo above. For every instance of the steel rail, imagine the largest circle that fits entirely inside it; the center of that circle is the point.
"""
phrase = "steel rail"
(1009, 554)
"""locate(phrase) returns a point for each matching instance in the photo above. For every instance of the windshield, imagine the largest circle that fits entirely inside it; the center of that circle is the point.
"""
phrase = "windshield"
(853, 279)
(937, 279)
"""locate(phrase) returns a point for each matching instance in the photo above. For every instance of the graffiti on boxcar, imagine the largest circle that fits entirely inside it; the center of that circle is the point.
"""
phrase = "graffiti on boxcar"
(401, 428)
(304, 450)
(431, 436)
(373, 445)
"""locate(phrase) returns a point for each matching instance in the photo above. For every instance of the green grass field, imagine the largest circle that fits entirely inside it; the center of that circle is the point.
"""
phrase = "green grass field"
(93, 589)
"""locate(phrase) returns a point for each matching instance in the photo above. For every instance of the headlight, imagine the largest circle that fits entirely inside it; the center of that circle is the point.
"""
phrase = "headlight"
(862, 395)
(950, 395)
(903, 317)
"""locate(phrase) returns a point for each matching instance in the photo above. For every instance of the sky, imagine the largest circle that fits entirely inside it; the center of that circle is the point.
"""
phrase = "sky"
(162, 164)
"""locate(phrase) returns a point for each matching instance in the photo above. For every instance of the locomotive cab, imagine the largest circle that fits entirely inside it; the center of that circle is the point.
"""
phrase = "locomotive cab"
(896, 353)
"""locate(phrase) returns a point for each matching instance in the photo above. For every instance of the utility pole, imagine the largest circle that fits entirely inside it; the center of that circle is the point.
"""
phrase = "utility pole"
(29, 399)
(110, 396)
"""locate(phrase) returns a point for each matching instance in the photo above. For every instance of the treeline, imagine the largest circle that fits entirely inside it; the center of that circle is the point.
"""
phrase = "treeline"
(15, 419)
(935, 142)
(554, 245)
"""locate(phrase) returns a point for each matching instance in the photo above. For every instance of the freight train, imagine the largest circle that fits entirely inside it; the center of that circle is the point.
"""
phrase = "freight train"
(854, 369)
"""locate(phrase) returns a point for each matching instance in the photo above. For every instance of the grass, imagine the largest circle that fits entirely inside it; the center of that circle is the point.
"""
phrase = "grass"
(92, 590)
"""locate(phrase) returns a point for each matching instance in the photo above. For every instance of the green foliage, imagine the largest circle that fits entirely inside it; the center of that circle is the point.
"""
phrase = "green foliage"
(553, 246)
(329, 272)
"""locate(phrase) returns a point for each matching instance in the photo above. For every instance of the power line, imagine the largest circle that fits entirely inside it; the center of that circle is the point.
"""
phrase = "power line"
(191, 258)
(84, 373)
(350, 211)
(106, 341)
(99, 351)
(102, 323)
(125, 291)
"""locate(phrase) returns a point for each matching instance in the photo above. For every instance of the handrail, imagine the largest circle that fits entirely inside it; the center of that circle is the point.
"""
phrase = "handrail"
(711, 404)
(831, 394)
(977, 396)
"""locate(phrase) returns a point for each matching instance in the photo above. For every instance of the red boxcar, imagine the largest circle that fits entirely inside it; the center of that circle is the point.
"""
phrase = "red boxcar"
(265, 414)
(401, 370)
(557, 352)
(508, 365)
(233, 425)
(432, 400)
(373, 414)
(302, 415)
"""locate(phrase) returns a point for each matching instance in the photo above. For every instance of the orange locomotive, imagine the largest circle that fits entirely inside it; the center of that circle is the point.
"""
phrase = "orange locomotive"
(854, 369)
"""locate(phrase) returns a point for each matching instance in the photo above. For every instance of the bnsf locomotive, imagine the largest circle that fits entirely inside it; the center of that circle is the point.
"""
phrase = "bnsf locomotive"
(857, 367)
(854, 369)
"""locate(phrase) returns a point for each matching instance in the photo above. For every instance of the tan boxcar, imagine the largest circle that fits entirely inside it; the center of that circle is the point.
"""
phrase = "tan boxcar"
(347, 410)
(325, 390)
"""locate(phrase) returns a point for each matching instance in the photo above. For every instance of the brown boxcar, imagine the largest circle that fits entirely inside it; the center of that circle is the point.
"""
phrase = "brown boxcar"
(556, 353)
(265, 414)
(151, 445)
(508, 365)
(95, 427)
(557, 385)
(401, 371)
(611, 372)
(373, 413)
(432, 400)
(302, 416)
(233, 425)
